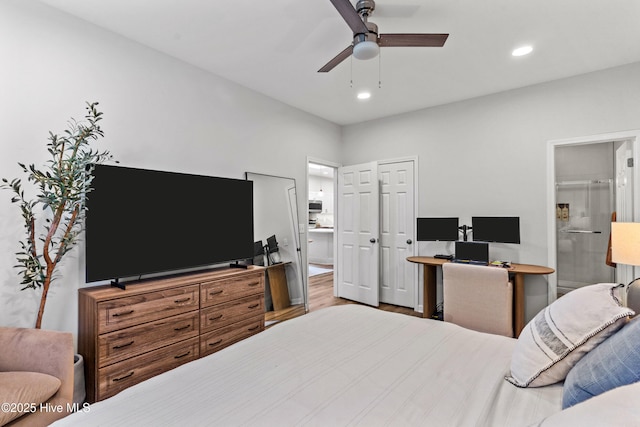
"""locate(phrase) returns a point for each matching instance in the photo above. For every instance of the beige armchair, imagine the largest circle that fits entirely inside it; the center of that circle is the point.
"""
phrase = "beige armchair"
(25, 355)
(478, 297)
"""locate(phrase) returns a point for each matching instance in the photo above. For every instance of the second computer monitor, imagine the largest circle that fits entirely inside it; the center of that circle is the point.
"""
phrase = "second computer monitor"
(500, 229)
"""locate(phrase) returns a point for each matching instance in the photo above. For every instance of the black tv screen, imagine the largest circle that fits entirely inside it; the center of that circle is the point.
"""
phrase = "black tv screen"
(434, 229)
(500, 229)
(145, 221)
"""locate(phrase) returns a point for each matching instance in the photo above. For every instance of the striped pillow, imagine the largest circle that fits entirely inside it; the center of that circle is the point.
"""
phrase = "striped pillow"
(563, 332)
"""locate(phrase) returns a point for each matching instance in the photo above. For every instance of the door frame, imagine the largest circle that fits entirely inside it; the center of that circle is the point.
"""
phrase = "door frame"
(335, 167)
(633, 136)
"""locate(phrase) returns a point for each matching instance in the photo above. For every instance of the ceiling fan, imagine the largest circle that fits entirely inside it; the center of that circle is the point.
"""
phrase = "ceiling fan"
(367, 41)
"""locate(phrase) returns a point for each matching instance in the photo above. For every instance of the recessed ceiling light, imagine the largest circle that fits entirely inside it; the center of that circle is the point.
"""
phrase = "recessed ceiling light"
(364, 95)
(521, 51)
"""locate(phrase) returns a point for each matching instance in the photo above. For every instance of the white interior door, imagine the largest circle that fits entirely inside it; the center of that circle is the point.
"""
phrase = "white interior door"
(624, 199)
(397, 276)
(358, 219)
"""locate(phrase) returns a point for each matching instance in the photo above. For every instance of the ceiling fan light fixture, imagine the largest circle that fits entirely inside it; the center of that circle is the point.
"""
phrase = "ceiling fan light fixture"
(521, 51)
(366, 50)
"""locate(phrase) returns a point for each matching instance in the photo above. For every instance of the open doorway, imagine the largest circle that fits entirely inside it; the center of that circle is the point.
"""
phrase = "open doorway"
(585, 206)
(591, 183)
(321, 243)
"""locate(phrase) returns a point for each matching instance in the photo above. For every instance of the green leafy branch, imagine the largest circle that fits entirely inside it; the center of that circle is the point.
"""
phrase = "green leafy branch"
(62, 186)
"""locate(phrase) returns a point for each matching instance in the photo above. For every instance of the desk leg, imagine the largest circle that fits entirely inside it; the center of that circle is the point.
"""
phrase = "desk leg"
(429, 291)
(518, 304)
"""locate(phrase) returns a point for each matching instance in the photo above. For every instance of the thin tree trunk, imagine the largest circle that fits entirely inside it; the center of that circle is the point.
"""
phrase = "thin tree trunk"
(43, 299)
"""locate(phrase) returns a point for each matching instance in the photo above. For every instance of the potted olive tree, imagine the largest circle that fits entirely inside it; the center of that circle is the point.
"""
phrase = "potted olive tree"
(61, 186)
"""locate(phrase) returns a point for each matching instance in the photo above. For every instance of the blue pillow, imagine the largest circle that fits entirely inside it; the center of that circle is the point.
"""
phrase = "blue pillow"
(615, 362)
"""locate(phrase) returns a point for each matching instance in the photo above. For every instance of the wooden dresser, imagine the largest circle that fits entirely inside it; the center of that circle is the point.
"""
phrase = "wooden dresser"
(128, 336)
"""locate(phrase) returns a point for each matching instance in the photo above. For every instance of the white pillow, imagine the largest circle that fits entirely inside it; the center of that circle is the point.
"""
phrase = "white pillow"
(563, 332)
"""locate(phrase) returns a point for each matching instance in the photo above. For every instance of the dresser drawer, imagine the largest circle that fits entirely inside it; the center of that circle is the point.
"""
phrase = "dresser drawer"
(220, 291)
(135, 310)
(221, 315)
(115, 378)
(221, 338)
(119, 345)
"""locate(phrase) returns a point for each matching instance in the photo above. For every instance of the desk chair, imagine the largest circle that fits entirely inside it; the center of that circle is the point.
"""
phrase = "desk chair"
(478, 298)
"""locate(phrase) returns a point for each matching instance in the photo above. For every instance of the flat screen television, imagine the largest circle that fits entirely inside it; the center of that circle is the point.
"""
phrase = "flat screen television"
(437, 229)
(500, 229)
(146, 221)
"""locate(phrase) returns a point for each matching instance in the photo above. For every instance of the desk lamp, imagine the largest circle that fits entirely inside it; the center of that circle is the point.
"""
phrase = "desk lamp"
(625, 249)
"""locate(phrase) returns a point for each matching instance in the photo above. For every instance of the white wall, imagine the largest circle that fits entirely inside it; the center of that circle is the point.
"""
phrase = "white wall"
(487, 156)
(159, 113)
(591, 161)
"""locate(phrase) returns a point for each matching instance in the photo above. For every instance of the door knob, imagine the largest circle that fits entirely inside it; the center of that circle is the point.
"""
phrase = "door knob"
(372, 240)
(409, 241)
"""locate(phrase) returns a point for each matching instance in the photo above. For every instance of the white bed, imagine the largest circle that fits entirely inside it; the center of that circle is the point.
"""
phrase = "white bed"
(344, 365)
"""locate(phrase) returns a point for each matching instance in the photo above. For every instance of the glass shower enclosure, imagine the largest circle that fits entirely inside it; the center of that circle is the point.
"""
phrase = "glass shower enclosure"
(583, 224)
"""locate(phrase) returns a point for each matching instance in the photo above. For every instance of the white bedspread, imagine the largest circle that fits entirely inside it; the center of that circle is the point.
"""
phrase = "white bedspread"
(344, 365)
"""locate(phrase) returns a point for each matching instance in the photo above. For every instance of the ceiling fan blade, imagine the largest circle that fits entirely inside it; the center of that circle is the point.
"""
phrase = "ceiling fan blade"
(338, 59)
(345, 8)
(412, 40)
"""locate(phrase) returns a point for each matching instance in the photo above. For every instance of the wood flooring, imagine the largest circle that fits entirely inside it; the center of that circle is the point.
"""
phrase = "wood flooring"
(321, 296)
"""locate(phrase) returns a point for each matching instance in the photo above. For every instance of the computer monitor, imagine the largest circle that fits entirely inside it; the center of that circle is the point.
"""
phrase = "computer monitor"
(437, 229)
(499, 229)
(475, 252)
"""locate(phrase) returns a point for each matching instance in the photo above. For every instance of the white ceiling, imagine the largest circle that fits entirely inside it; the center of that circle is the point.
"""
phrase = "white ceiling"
(275, 47)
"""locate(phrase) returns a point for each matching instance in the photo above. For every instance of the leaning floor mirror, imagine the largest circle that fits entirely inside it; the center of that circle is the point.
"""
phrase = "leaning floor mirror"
(277, 235)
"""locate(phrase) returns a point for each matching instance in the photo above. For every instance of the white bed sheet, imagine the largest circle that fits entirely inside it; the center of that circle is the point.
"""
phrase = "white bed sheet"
(344, 365)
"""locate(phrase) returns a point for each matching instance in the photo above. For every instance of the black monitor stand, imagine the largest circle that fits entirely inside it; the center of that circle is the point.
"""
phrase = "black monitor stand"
(464, 229)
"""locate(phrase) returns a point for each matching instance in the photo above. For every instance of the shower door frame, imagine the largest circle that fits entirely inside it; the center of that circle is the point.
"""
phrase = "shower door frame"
(633, 137)
(610, 183)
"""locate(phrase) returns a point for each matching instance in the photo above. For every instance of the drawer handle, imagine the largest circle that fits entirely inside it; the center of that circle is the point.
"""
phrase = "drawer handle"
(213, 344)
(254, 284)
(122, 313)
(254, 328)
(180, 356)
(178, 301)
(254, 306)
(218, 317)
(116, 347)
(125, 377)
(182, 328)
(216, 293)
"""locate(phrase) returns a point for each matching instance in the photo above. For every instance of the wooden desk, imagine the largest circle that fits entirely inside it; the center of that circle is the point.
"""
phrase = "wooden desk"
(517, 270)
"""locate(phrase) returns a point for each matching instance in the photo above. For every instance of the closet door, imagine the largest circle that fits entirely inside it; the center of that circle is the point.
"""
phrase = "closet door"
(398, 277)
(358, 246)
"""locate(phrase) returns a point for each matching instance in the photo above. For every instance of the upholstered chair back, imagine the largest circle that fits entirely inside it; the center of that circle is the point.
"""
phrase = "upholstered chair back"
(478, 297)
